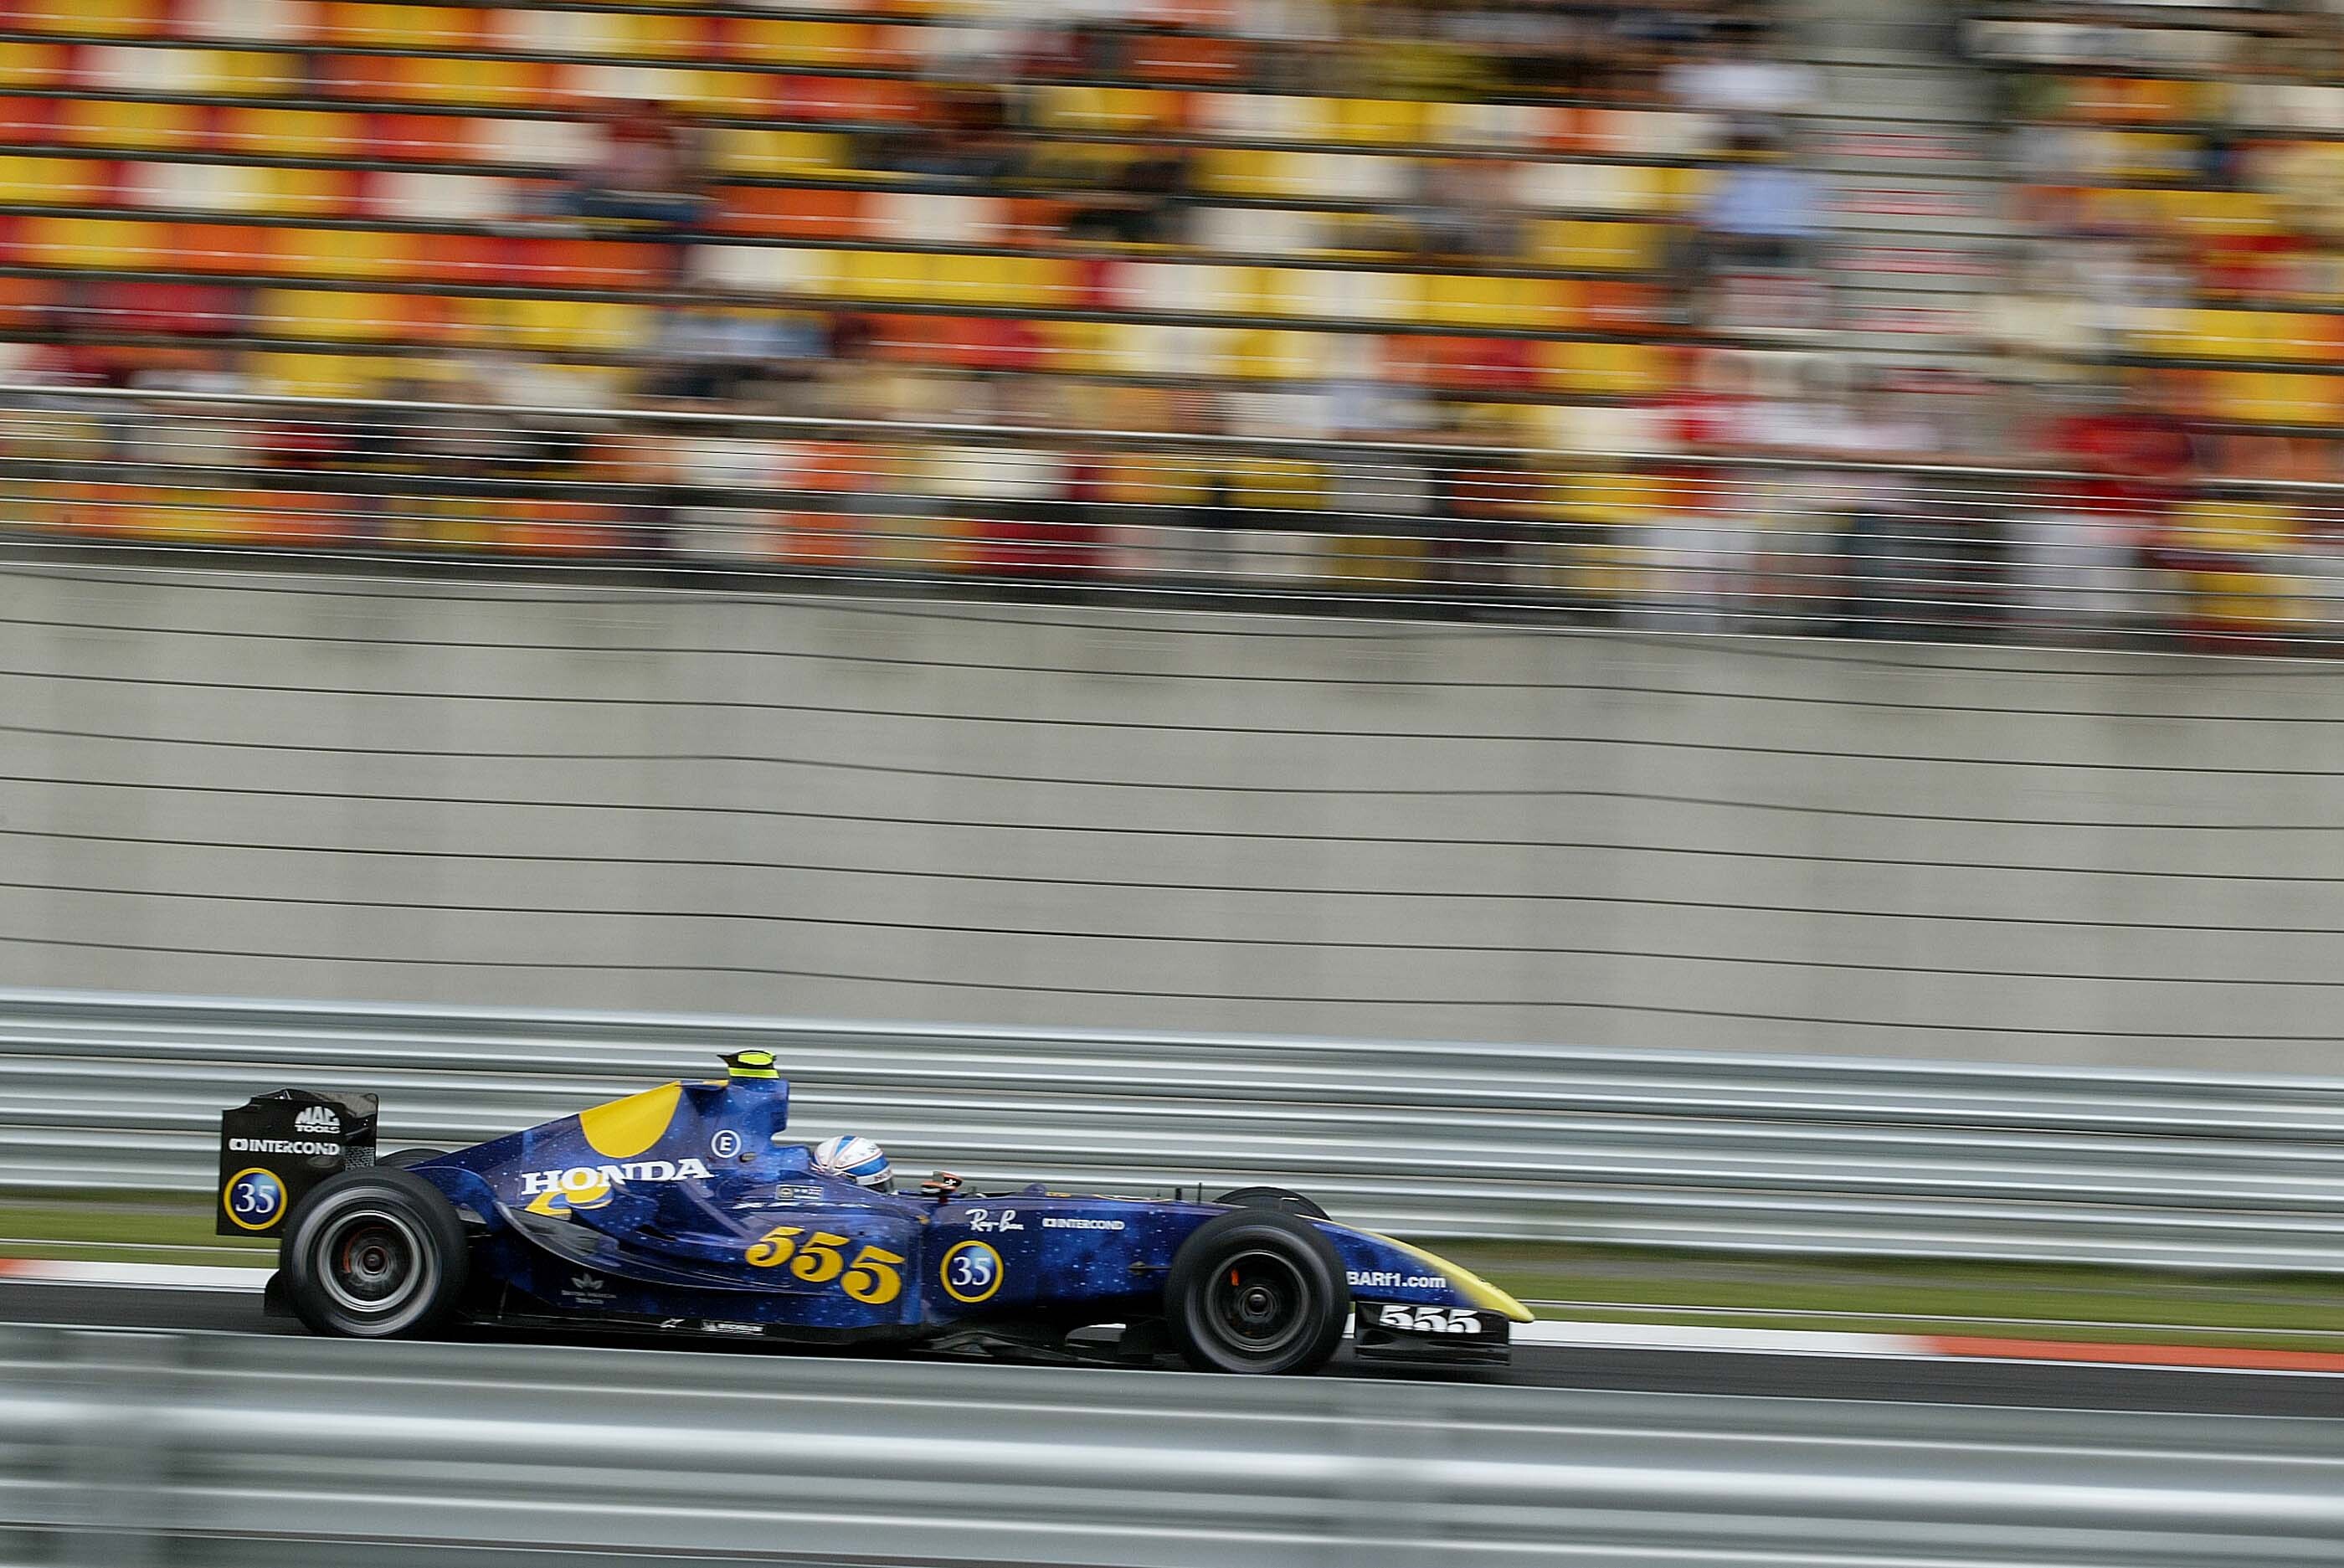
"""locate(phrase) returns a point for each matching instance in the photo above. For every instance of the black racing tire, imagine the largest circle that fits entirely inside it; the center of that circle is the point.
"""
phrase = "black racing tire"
(399, 1159)
(1257, 1291)
(375, 1254)
(1273, 1197)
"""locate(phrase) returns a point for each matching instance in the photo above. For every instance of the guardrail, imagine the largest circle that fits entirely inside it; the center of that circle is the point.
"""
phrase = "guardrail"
(1720, 1151)
(1780, 531)
(227, 1448)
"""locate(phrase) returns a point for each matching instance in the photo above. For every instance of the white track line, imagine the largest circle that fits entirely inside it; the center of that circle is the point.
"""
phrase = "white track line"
(134, 1276)
(1587, 1335)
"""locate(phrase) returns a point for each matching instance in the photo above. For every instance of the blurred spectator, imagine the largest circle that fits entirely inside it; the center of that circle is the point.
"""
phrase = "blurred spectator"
(2038, 326)
(964, 133)
(1478, 506)
(2080, 558)
(1459, 212)
(715, 354)
(1148, 204)
(1694, 549)
(1764, 217)
(647, 172)
(201, 435)
(1737, 76)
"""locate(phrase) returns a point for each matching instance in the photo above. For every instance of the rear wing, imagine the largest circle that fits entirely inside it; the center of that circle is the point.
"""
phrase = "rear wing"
(275, 1147)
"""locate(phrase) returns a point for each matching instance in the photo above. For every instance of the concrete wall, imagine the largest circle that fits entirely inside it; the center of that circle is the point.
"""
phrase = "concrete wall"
(328, 787)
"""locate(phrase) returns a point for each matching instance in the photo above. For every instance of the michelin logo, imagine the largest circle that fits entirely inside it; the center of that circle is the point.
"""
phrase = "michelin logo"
(591, 1177)
(1057, 1224)
(318, 1118)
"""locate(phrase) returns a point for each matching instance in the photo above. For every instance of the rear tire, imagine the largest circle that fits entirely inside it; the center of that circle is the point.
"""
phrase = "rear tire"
(1257, 1291)
(1273, 1197)
(402, 1158)
(375, 1254)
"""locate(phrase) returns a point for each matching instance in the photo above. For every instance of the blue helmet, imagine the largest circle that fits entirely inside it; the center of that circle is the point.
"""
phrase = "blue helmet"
(851, 1157)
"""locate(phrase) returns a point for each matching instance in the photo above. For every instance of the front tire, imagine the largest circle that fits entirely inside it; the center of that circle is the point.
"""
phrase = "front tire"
(375, 1254)
(1259, 1291)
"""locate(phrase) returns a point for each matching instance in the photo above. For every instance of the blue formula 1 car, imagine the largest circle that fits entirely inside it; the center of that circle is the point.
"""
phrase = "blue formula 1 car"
(683, 1210)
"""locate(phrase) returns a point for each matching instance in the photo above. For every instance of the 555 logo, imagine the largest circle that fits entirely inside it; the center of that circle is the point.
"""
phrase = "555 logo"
(1430, 1319)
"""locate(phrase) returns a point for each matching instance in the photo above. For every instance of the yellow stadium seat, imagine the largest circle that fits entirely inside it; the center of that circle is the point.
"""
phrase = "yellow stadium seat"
(473, 321)
(105, 19)
(1602, 369)
(298, 192)
(57, 182)
(714, 91)
(1245, 171)
(245, 73)
(1267, 354)
(27, 64)
(452, 81)
(744, 150)
(1574, 242)
(355, 253)
(298, 133)
(1110, 109)
(318, 376)
(894, 275)
(1117, 348)
(389, 27)
(99, 242)
(988, 279)
(2272, 397)
(1680, 190)
(2292, 337)
(546, 325)
(1454, 301)
(608, 326)
(325, 315)
(1381, 121)
(1052, 281)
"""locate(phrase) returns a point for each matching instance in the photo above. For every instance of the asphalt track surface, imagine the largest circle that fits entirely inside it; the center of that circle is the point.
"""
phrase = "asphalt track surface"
(2048, 1385)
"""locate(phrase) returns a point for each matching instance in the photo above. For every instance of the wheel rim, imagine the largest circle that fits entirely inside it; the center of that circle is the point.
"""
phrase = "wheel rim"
(1259, 1302)
(372, 1263)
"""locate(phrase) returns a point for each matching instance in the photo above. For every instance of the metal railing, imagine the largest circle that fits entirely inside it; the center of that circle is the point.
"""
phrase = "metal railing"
(1775, 540)
(200, 1448)
(1721, 1151)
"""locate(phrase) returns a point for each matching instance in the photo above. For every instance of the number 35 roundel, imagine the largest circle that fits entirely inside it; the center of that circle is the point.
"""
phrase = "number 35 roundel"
(970, 1271)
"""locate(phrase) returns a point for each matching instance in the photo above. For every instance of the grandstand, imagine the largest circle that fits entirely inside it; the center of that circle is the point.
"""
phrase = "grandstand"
(331, 186)
(1549, 230)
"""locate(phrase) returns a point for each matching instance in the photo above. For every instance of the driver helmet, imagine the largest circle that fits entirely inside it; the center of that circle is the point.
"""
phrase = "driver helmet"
(850, 1156)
